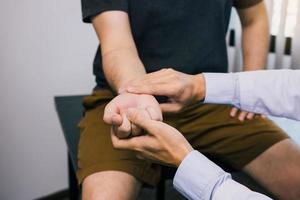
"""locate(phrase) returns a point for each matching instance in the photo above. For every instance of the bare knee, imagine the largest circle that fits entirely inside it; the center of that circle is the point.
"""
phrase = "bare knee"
(114, 185)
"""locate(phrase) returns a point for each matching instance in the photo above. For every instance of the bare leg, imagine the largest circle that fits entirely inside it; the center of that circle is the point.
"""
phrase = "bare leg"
(113, 185)
(278, 169)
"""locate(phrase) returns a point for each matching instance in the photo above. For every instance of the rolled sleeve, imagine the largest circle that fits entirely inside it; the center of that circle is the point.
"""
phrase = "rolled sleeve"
(242, 4)
(91, 8)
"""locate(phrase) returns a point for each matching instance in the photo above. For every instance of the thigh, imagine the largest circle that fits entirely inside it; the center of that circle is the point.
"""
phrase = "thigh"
(95, 151)
(278, 169)
(103, 185)
(227, 141)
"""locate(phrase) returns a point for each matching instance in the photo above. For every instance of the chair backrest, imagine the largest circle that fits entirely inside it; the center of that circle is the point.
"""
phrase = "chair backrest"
(70, 111)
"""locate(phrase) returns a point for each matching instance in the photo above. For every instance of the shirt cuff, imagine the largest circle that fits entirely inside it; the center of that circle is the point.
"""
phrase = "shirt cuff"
(197, 176)
(220, 88)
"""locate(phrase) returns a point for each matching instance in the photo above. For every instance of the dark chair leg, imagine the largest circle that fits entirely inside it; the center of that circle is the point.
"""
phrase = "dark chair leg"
(160, 190)
(73, 186)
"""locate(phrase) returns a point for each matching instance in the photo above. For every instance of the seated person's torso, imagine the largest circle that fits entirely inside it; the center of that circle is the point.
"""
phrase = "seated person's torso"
(186, 35)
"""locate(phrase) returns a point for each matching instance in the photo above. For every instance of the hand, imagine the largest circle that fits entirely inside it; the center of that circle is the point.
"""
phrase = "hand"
(243, 114)
(182, 89)
(115, 112)
(163, 143)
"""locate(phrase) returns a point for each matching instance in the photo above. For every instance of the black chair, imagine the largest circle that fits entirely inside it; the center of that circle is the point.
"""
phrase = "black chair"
(70, 111)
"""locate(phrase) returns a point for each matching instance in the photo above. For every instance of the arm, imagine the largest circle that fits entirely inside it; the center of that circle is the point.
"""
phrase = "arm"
(197, 177)
(272, 92)
(255, 39)
(255, 36)
(121, 62)
(213, 183)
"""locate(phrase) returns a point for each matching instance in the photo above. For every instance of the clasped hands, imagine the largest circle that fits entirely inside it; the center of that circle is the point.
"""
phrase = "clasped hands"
(136, 110)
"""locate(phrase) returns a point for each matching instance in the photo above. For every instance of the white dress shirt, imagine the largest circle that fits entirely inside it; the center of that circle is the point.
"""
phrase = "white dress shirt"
(269, 92)
(273, 92)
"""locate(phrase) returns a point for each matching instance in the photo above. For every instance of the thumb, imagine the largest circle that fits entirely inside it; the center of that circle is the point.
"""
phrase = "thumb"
(112, 114)
(170, 107)
(137, 117)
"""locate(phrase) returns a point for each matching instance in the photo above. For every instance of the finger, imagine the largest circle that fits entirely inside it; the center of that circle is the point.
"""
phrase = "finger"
(155, 114)
(112, 114)
(116, 120)
(170, 107)
(140, 120)
(242, 116)
(233, 112)
(130, 144)
(124, 130)
(135, 130)
(263, 116)
(139, 156)
(250, 116)
(120, 143)
(155, 83)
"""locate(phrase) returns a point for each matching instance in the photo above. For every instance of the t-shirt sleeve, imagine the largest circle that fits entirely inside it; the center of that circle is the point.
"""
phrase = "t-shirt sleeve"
(242, 4)
(91, 8)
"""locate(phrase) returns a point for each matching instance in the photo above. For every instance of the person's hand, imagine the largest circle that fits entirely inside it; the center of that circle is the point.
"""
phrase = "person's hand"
(115, 112)
(243, 115)
(182, 89)
(163, 143)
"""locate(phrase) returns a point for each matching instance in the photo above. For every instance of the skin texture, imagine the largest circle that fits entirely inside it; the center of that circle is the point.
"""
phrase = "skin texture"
(99, 186)
(120, 64)
(117, 48)
(162, 144)
(115, 112)
(278, 169)
(182, 89)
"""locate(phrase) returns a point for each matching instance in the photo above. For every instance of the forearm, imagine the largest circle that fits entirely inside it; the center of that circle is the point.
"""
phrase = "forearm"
(120, 59)
(212, 183)
(263, 92)
(255, 37)
(255, 46)
(121, 66)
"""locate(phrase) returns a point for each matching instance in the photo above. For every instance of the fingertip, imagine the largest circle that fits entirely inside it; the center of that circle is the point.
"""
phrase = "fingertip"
(233, 112)
(242, 118)
(250, 116)
(116, 120)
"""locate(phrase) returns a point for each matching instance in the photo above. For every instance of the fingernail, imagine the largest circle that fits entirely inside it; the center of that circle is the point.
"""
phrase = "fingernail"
(116, 120)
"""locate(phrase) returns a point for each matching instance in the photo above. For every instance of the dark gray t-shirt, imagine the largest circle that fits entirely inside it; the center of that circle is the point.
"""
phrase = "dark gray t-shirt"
(186, 35)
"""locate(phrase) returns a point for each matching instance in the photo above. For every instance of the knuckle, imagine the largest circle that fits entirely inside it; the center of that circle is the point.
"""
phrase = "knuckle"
(169, 70)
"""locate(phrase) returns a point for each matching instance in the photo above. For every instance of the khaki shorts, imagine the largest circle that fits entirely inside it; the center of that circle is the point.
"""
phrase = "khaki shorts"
(209, 129)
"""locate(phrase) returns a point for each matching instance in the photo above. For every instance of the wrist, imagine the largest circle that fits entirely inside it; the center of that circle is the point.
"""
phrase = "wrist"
(199, 87)
(121, 89)
(183, 153)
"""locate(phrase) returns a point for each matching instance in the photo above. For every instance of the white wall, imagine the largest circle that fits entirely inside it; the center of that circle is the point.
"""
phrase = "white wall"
(45, 50)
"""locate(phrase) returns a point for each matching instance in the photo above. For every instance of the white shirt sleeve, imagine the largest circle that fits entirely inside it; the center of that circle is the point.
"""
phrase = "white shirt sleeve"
(198, 178)
(269, 92)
